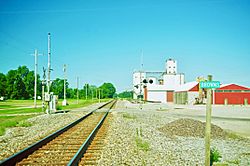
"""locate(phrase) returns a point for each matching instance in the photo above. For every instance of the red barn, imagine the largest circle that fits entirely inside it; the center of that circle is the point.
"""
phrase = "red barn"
(232, 94)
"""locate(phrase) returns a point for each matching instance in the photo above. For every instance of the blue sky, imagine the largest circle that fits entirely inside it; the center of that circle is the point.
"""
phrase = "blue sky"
(101, 41)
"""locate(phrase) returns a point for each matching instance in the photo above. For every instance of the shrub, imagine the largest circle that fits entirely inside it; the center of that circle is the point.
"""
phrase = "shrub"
(215, 156)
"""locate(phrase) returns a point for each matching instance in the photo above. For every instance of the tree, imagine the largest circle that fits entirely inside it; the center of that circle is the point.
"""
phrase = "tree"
(108, 90)
(29, 81)
(3, 84)
(23, 71)
(71, 93)
(126, 94)
(57, 87)
(19, 89)
(11, 78)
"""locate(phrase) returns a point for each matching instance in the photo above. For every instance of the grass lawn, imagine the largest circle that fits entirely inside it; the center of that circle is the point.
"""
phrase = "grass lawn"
(18, 103)
(15, 107)
(82, 103)
(13, 121)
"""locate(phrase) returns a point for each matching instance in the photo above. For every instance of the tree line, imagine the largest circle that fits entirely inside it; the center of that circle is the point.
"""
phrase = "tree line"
(19, 84)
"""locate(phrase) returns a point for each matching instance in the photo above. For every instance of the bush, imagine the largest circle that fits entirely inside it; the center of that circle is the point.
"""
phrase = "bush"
(215, 156)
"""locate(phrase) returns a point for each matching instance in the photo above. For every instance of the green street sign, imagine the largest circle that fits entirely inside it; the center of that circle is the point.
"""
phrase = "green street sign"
(210, 84)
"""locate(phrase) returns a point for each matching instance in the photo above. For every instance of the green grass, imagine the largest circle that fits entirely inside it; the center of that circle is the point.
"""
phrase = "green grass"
(82, 103)
(20, 111)
(19, 103)
(13, 121)
(141, 144)
(128, 116)
(15, 106)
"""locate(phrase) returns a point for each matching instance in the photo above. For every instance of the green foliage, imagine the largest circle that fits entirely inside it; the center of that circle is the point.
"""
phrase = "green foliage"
(140, 143)
(19, 89)
(108, 90)
(23, 123)
(20, 84)
(13, 121)
(215, 156)
(57, 87)
(126, 94)
(3, 84)
(128, 116)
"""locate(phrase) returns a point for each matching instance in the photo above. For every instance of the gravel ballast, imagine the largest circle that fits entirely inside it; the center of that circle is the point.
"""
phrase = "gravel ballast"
(18, 138)
(166, 138)
(191, 128)
(187, 149)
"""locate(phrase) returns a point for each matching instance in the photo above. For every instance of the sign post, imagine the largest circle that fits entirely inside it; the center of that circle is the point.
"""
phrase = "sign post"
(209, 85)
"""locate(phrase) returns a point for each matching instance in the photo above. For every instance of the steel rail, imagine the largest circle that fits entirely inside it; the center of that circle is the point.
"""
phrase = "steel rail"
(75, 160)
(19, 156)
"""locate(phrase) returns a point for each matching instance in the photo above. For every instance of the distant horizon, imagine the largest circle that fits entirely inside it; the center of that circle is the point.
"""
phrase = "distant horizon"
(102, 41)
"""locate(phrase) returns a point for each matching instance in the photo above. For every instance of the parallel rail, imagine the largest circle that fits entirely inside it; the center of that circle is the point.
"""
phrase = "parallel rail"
(13, 160)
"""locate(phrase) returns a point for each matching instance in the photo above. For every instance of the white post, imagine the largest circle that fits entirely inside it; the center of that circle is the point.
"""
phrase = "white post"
(208, 124)
(213, 96)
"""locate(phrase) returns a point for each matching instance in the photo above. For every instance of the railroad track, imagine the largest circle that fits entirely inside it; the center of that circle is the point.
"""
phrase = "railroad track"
(72, 145)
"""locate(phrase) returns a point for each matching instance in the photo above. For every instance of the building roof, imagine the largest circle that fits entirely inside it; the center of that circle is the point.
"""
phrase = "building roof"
(233, 87)
(187, 86)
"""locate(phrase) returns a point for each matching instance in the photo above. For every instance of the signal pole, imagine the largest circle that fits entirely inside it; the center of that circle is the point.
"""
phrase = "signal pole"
(48, 77)
(141, 80)
(49, 61)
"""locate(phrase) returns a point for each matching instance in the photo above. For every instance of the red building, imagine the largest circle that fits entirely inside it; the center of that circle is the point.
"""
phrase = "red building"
(232, 94)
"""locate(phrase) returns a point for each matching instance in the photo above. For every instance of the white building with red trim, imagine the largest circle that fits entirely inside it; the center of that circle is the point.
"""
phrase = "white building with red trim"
(158, 86)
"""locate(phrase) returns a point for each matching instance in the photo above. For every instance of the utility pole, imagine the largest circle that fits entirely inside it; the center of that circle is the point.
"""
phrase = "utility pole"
(99, 95)
(77, 92)
(35, 84)
(92, 93)
(208, 124)
(86, 91)
(64, 94)
(43, 83)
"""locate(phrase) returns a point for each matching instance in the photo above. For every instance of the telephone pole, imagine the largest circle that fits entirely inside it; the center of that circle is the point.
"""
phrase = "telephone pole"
(64, 94)
(77, 92)
(86, 91)
(35, 85)
(43, 83)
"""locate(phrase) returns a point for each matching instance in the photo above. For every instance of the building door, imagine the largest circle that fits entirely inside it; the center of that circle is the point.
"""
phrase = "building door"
(245, 101)
(170, 96)
(225, 101)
